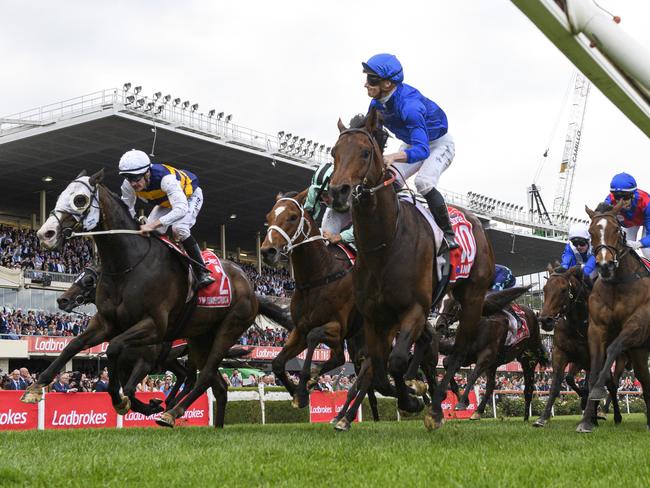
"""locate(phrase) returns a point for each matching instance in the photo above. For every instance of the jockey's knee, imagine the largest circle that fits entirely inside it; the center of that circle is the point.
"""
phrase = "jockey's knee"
(181, 233)
(424, 183)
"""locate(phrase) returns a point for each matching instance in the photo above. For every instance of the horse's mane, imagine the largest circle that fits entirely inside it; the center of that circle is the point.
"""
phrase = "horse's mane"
(604, 207)
(289, 194)
(498, 300)
(119, 200)
(381, 135)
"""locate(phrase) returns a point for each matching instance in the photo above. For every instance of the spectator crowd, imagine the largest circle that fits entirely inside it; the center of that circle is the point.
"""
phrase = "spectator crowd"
(273, 281)
(20, 248)
(14, 323)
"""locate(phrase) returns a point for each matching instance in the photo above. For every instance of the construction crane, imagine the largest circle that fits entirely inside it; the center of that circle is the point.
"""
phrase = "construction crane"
(562, 198)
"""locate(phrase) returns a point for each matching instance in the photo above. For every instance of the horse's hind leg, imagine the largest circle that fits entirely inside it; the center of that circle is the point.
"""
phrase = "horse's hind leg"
(130, 380)
(570, 379)
(489, 389)
(529, 385)
(220, 391)
(639, 358)
(596, 338)
(483, 361)
(372, 400)
(359, 390)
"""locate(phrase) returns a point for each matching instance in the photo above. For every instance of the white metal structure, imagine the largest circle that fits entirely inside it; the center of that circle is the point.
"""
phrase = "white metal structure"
(595, 43)
(571, 145)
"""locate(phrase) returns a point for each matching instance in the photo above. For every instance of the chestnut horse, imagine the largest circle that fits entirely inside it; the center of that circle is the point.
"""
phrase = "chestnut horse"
(322, 306)
(565, 310)
(394, 277)
(141, 298)
(619, 310)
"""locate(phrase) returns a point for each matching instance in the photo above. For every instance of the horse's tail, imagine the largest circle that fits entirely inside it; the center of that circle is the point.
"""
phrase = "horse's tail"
(271, 310)
(543, 356)
(498, 300)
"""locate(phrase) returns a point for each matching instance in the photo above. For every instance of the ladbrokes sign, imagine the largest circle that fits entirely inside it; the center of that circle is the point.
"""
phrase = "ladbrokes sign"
(79, 411)
(197, 414)
(16, 415)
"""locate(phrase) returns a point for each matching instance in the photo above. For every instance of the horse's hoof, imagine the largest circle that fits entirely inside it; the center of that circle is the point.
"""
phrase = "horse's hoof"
(334, 420)
(460, 406)
(419, 387)
(166, 420)
(311, 383)
(33, 394)
(475, 416)
(618, 420)
(342, 425)
(585, 428)
(597, 393)
(123, 407)
(431, 422)
(539, 423)
(601, 416)
(155, 402)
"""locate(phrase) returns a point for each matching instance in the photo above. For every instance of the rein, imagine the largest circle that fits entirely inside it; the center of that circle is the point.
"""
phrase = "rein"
(577, 296)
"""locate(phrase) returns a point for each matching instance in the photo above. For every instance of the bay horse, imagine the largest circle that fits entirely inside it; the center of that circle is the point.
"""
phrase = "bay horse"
(323, 308)
(395, 277)
(141, 298)
(619, 310)
(489, 350)
(565, 311)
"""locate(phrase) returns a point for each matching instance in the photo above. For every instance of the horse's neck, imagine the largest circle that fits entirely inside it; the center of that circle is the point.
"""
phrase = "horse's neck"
(375, 223)
(630, 265)
(312, 260)
(116, 251)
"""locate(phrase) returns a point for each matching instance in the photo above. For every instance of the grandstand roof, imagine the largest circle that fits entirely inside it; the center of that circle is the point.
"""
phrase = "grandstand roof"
(240, 170)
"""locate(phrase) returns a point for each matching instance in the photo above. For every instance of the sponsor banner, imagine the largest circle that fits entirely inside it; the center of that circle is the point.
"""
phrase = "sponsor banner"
(450, 402)
(43, 345)
(79, 411)
(262, 353)
(16, 415)
(197, 414)
(323, 406)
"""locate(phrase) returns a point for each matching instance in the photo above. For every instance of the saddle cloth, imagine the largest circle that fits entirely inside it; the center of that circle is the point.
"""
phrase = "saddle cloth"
(349, 252)
(219, 293)
(462, 258)
(646, 263)
(517, 325)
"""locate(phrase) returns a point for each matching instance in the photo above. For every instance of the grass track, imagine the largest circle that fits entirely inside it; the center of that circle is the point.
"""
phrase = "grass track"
(487, 453)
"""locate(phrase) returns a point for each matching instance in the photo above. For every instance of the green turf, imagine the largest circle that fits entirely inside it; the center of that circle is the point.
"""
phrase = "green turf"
(486, 453)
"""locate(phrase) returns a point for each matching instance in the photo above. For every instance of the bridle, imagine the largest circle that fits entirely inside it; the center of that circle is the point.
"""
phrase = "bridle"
(617, 252)
(302, 231)
(79, 216)
(86, 295)
(364, 189)
(576, 297)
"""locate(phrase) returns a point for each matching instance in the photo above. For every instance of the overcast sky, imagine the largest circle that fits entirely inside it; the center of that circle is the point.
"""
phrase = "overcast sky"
(295, 66)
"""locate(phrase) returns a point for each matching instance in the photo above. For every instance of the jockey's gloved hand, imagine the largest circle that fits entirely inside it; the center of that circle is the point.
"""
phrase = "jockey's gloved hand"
(634, 245)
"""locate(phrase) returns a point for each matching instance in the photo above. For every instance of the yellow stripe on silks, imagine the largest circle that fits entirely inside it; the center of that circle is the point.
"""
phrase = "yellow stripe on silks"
(185, 182)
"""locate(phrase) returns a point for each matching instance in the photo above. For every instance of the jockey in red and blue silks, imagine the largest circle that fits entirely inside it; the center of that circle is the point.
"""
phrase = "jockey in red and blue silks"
(428, 148)
(635, 213)
(578, 251)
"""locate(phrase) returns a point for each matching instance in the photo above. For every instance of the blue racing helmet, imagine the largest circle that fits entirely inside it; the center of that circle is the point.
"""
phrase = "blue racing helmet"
(622, 182)
(386, 66)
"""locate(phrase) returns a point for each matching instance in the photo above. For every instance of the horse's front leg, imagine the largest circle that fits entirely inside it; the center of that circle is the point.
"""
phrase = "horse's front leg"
(143, 333)
(596, 334)
(296, 342)
(411, 325)
(96, 333)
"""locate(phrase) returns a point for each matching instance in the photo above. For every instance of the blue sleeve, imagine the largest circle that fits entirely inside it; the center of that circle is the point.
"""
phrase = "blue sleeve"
(608, 199)
(568, 259)
(417, 128)
(645, 242)
(590, 266)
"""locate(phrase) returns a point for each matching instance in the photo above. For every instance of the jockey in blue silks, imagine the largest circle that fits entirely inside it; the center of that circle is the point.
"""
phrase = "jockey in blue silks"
(503, 278)
(578, 251)
(635, 212)
(427, 149)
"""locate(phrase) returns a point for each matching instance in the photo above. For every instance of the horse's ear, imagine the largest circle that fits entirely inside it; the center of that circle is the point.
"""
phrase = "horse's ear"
(550, 268)
(97, 177)
(590, 212)
(341, 125)
(618, 206)
(372, 120)
(83, 173)
(278, 196)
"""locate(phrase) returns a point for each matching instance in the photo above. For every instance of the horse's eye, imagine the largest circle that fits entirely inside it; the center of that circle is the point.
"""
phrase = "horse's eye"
(80, 201)
(365, 154)
(293, 218)
(332, 152)
(88, 281)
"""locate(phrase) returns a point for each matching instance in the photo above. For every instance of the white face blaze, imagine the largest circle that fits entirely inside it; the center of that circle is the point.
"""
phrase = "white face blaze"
(75, 200)
(602, 224)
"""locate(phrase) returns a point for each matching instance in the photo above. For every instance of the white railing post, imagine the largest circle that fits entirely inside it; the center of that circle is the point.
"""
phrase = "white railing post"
(494, 406)
(41, 412)
(211, 406)
(260, 390)
(627, 402)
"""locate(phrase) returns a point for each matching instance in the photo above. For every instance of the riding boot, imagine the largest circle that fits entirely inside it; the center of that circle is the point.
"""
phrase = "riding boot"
(194, 252)
(438, 209)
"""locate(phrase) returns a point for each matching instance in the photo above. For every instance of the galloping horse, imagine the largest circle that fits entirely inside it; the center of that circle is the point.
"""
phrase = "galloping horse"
(565, 309)
(395, 277)
(141, 297)
(619, 310)
(322, 306)
(489, 350)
